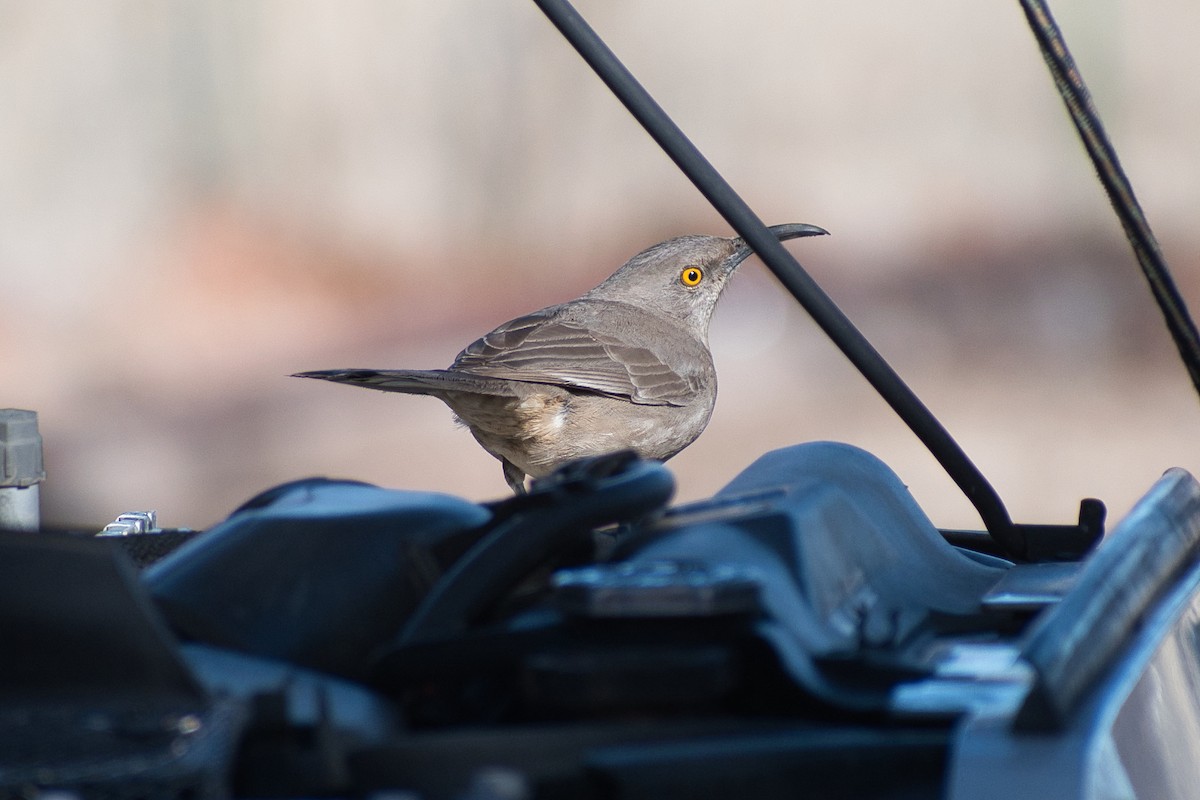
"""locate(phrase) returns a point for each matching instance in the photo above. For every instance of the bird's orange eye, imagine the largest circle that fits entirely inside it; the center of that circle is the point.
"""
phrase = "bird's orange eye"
(691, 276)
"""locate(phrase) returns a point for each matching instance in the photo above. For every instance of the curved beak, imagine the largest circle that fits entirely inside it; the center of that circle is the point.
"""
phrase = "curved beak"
(789, 230)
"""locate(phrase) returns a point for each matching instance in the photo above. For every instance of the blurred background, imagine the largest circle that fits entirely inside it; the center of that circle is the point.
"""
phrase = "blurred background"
(199, 198)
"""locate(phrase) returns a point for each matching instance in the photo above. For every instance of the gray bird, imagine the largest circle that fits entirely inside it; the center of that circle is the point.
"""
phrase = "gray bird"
(625, 366)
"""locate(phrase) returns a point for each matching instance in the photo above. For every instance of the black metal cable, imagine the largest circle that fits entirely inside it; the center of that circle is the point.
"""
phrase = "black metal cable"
(1120, 192)
(789, 272)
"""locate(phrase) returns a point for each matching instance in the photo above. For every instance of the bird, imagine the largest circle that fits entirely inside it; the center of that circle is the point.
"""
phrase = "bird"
(625, 366)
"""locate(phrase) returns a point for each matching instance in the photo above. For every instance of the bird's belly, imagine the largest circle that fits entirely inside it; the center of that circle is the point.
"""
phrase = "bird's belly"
(592, 425)
(549, 426)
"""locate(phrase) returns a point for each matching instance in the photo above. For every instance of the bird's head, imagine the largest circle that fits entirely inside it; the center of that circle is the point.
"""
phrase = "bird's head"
(682, 278)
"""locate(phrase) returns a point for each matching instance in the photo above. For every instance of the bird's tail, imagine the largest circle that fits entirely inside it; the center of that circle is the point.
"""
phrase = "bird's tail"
(436, 382)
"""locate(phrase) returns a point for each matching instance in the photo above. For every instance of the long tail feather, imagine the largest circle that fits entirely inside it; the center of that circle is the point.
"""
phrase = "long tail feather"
(414, 381)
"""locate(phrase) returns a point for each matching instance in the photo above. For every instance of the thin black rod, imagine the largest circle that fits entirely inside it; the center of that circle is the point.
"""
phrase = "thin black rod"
(789, 272)
(1120, 192)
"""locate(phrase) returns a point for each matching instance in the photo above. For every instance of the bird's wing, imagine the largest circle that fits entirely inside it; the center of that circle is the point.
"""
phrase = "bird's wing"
(543, 348)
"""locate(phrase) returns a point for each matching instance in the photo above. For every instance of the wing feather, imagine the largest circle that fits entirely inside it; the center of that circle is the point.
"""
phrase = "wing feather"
(543, 347)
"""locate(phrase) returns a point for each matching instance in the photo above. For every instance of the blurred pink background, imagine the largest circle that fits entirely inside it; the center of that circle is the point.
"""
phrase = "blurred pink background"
(198, 199)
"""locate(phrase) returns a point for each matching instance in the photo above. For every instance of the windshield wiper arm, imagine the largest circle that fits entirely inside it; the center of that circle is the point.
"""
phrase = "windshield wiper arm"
(1010, 538)
(1100, 150)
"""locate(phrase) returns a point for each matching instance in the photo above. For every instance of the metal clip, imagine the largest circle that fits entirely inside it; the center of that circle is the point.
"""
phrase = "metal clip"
(132, 522)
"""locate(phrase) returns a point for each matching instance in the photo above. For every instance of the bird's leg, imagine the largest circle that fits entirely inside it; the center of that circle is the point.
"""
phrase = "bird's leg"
(514, 476)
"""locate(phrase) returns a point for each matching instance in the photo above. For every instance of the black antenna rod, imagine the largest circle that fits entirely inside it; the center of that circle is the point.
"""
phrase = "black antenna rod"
(1120, 192)
(789, 272)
